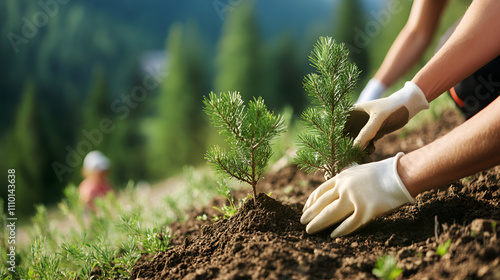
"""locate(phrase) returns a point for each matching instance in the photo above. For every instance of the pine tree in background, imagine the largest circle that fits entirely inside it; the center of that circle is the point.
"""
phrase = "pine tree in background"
(25, 152)
(178, 135)
(349, 22)
(248, 133)
(129, 149)
(286, 76)
(96, 114)
(97, 105)
(323, 145)
(238, 55)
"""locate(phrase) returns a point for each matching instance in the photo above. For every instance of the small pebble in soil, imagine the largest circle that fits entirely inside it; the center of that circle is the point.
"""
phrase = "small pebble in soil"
(482, 271)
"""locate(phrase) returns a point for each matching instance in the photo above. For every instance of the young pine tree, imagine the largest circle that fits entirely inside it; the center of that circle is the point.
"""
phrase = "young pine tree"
(248, 133)
(323, 146)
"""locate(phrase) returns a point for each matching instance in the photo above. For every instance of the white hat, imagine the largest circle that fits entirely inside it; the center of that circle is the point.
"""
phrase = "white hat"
(96, 161)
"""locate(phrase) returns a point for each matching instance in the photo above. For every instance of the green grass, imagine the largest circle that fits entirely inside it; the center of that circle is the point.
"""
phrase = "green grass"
(442, 249)
(227, 210)
(106, 243)
(387, 268)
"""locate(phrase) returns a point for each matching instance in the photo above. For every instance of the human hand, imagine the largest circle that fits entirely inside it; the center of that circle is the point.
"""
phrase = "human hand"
(370, 121)
(355, 196)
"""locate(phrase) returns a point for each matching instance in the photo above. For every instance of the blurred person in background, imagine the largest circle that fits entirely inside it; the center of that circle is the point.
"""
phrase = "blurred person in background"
(95, 170)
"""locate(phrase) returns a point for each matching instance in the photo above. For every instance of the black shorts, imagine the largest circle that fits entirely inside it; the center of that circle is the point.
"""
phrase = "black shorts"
(478, 90)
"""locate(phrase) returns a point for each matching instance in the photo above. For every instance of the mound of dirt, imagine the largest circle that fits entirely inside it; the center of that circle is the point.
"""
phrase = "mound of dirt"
(268, 215)
(228, 244)
(268, 242)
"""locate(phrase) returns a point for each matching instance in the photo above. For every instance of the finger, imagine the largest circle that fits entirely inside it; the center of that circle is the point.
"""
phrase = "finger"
(348, 225)
(318, 192)
(367, 133)
(322, 202)
(330, 215)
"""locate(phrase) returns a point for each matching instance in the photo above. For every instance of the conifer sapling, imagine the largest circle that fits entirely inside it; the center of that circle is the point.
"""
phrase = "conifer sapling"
(324, 146)
(248, 133)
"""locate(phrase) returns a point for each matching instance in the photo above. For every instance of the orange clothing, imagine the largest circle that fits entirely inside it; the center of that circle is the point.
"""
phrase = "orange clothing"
(91, 188)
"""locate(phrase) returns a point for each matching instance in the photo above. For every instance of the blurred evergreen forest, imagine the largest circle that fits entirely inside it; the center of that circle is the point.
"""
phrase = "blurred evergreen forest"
(127, 77)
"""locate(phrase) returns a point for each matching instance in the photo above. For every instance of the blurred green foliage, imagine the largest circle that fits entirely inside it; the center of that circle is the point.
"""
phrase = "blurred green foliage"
(283, 77)
(344, 25)
(239, 54)
(26, 152)
(179, 128)
(49, 52)
(69, 66)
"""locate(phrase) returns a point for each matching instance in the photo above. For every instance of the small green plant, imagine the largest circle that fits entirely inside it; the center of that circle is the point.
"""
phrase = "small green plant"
(76, 252)
(203, 217)
(44, 265)
(467, 179)
(324, 146)
(150, 240)
(248, 133)
(442, 249)
(71, 206)
(232, 208)
(155, 240)
(387, 268)
(129, 256)
(227, 210)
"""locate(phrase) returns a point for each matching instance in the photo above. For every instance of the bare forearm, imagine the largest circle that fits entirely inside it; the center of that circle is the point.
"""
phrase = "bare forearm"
(469, 148)
(474, 43)
(403, 54)
(412, 41)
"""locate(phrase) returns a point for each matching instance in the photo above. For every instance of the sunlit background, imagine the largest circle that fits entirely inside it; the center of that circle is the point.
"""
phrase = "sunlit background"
(127, 77)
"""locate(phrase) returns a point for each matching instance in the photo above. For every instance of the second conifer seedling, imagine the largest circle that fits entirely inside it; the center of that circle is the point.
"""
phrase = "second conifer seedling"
(248, 133)
(323, 146)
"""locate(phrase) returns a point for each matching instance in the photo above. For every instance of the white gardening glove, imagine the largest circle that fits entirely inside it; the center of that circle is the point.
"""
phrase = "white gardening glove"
(371, 120)
(355, 196)
(373, 90)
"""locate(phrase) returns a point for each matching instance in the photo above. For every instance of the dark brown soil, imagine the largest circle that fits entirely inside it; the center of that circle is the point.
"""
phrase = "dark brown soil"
(268, 242)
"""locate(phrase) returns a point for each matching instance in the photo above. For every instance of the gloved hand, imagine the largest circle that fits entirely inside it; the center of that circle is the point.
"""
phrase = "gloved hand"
(373, 90)
(356, 195)
(371, 120)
